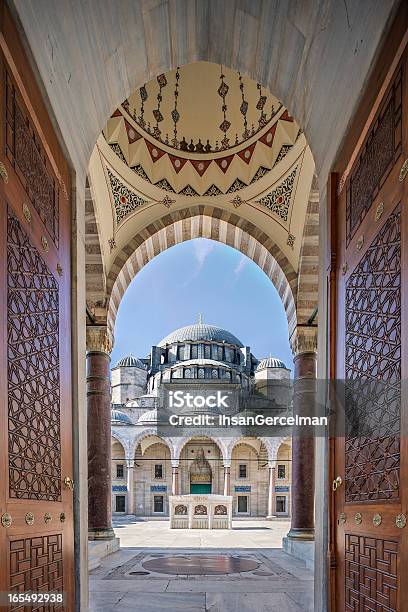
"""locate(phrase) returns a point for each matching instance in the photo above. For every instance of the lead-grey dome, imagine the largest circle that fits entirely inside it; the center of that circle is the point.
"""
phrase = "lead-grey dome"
(270, 362)
(120, 418)
(130, 362)
(201, 331)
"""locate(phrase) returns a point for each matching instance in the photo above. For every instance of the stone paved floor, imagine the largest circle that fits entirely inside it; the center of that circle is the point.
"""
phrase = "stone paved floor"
(278, 582)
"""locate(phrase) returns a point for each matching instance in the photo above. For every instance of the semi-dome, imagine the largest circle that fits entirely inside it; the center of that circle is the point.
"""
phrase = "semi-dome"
(130, 362)
(201, 331)
(270, 362)
(120, 418)
(149, 417)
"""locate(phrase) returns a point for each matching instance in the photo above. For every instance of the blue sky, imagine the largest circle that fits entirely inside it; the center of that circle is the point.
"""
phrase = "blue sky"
(202, 276)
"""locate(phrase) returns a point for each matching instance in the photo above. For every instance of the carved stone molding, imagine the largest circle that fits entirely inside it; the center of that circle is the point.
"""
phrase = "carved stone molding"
(304, 340)
(98, 339)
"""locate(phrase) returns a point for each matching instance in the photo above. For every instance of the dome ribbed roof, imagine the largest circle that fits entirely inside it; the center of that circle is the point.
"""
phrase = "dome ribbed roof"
(130, 362)
(120, 418)
(201, 331)
(148, 417)
(270, 362)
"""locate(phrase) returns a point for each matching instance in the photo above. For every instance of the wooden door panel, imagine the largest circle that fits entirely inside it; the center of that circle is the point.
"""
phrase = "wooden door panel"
(37, 548)
(371, 246)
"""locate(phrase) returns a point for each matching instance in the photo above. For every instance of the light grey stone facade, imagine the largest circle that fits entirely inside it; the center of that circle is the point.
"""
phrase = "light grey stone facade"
(147, 467)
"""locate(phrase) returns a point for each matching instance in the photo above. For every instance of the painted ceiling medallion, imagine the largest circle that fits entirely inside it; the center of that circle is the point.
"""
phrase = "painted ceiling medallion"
(181, 120)
(199, 126)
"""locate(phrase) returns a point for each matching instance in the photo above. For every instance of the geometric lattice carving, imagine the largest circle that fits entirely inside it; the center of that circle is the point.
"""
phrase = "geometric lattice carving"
(34, 441)
(36, 565)
(373, 369)
(125, 201)
(371, 575)
(381, 149)
(30, 163)
(278, 200)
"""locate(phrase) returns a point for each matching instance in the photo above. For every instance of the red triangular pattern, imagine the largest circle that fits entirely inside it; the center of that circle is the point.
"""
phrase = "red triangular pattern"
(286, 117)
(178, 162)
(224, 162)
(246, 154)
(200, 165)
(268, 138)
(155, 152)
(117, 113)
(131, 133)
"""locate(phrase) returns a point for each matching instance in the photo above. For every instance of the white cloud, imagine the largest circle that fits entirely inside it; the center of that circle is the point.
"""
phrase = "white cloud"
(243, 260)
(202, 248)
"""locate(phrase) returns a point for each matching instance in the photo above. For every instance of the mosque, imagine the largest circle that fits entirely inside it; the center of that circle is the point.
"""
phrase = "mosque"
(148, 467)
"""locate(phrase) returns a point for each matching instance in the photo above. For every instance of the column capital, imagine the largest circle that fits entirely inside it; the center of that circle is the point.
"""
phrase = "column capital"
(174, 463)
(99, 339)
(227, 463)
(272, 464)
(303, 340)
(130, 463)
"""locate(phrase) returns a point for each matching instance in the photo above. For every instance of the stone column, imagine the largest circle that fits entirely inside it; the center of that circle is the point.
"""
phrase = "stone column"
(175, 485)
(227, 479)
(130, 488)
(271, 492)
(99, 346)
(304, 345)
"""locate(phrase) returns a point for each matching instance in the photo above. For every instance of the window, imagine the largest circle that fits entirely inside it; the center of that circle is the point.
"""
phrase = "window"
(180, 352)
(120, 503)
(242, 504)
(242, 470)
(207, 351)
(158, 470)
(119, 470)
(194, 351)
(158, 503)
(281, 503)
(281, 471)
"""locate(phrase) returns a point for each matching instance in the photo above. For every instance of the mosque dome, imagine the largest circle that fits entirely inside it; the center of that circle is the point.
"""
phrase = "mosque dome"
(201, 331)
(120, 418)
(148, 418)
(270, 362)
(130, 362)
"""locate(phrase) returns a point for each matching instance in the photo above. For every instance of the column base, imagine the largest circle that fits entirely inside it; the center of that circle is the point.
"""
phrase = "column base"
(304, 550)
(301, 534)
(101, 534)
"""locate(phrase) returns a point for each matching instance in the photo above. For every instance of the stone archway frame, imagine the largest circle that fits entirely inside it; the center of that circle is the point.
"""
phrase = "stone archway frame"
(135, 441)
(202, 221)
(180, 443)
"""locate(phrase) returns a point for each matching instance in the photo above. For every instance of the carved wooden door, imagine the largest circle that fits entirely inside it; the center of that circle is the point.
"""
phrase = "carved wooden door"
(36, 509)
(370, 503)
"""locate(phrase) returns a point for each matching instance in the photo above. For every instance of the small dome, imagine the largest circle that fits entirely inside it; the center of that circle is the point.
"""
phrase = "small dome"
(270, 362)
(120, 418)
(130, 362)
(201, 331)
(148, 418)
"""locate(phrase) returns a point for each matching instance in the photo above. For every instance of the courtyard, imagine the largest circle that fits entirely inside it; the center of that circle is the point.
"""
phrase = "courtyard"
(200, 570)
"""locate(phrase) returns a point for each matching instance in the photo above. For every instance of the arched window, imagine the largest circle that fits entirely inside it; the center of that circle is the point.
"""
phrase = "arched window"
(214, 373)
(187, 373)
(201, 373)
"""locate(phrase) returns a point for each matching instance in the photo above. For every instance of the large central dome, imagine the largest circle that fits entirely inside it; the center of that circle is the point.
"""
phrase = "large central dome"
(201, 331)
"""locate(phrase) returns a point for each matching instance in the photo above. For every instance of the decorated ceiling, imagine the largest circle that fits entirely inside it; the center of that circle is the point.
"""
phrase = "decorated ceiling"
(201, 134)
(202, 129)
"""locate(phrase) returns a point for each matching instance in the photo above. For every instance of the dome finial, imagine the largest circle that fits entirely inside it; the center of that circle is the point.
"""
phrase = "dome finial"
(200, 318)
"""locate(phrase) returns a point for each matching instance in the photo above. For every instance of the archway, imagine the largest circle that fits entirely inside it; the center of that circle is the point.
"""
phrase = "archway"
(257, 195)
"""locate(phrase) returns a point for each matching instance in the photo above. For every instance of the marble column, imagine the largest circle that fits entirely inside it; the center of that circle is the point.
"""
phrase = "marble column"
(227, 480)
(271, 492)
(175, 487)
(304, 346)
(130, 488)
(99, 347)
